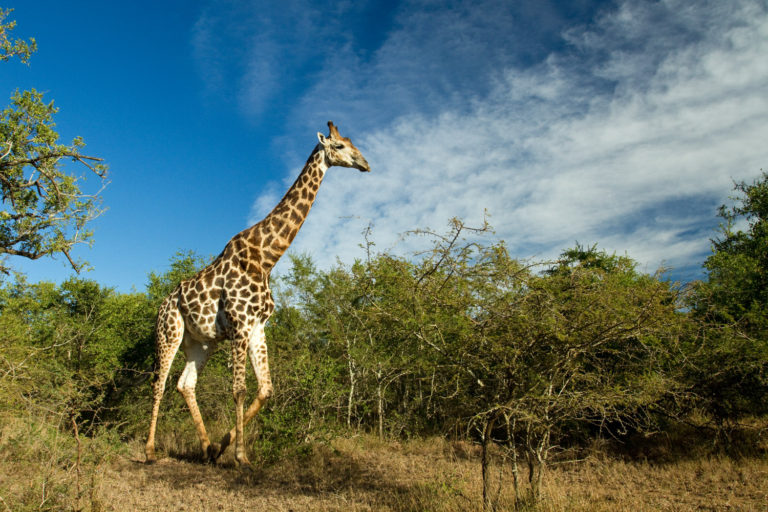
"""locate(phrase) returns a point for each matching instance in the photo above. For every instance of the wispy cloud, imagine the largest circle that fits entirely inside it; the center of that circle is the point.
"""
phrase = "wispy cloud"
(261, 54)
(436, 57)
(627, 135)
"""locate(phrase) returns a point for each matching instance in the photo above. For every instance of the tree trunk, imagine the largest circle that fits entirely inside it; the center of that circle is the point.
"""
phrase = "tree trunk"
(352, 382)
(381, 411)
(380, 401)
(485, 464)
(537, 465)
(511, 451)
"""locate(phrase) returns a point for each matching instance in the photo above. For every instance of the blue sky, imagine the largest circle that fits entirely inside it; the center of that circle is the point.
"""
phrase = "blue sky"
(617, 123)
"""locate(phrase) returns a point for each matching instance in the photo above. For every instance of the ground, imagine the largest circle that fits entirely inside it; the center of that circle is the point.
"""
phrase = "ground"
(361, 474)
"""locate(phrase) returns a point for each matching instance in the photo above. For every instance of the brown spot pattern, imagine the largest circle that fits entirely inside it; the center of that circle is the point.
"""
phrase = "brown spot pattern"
(231, 299)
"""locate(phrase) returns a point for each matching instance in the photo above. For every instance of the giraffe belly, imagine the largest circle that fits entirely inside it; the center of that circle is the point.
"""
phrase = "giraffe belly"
(207, 328)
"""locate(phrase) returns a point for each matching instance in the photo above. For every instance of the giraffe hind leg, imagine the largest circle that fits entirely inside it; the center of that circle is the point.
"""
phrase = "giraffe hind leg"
(169, 334)
(197, 355)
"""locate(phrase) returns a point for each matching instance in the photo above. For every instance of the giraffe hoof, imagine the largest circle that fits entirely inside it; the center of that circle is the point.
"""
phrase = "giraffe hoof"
(246, 467)
(244, 464)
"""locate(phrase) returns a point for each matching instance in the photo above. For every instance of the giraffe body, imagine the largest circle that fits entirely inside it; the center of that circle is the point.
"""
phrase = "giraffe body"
(230, 299)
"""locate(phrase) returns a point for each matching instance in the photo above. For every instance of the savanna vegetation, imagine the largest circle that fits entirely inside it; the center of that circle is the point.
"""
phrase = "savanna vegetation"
(513, 373)
(459, 378)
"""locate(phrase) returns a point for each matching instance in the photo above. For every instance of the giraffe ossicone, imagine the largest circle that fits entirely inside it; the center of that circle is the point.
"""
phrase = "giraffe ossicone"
(230, 300)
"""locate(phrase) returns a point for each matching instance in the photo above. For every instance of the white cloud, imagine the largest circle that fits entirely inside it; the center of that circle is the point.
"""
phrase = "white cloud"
(630, 139)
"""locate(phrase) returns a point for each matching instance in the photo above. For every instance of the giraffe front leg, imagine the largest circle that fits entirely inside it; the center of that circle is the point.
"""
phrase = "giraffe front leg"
(257, 351)
(238, 391)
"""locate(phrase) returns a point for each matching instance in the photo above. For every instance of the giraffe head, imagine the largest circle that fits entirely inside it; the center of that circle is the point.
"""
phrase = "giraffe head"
(340, 150)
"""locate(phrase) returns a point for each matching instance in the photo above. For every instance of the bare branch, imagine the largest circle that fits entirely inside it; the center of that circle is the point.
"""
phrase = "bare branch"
(10, 147)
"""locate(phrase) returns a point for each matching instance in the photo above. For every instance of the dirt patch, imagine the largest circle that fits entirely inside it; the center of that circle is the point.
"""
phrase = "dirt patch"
(341, 477)
(365, 474)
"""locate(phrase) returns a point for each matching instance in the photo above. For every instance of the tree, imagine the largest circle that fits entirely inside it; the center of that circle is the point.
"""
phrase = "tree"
(738, 265)
(728, 357)
(13, 48)
(529, 359)
(589, 340)
(74, 348)
(44, 209)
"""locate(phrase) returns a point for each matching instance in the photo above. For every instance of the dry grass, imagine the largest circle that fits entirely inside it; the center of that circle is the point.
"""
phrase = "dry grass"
(704, 484)
(41, 469)
(362, 473)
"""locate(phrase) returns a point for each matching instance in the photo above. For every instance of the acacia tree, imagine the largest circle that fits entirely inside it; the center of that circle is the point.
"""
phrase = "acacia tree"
(738, 265)
(532, 354)
(587, 343)
(728, 368)
(44, 209)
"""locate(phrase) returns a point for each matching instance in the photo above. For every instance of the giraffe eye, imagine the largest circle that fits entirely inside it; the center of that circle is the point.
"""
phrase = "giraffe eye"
(338, 146)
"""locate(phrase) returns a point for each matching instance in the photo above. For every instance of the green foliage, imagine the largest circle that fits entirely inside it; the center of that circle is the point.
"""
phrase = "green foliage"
(74, 343)
(728, 354)
(45, 209)
(10, 48)
(738, 265)
(84, 352)
(467, 331)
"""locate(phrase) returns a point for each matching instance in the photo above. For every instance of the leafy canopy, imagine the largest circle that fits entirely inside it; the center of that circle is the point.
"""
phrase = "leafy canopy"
(738, 265)
(729, 358)
(44, 209)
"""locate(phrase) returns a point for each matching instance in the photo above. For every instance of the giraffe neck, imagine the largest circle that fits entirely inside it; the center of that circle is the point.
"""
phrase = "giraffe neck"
(274, 234)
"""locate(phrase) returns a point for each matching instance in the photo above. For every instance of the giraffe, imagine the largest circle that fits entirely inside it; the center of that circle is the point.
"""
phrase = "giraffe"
(230, 299)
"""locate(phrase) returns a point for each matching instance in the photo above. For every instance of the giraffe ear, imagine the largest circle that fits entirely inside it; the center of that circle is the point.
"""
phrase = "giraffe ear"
(321, 138)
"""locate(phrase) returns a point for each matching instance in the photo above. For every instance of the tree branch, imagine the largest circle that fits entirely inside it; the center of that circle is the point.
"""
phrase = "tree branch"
(10, 147)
